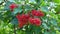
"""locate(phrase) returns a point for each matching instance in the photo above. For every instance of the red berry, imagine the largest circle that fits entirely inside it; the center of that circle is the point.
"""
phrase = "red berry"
(41, 13)
(37, 13)
(12, 6)
(22, 19)
(35, 21)
(26, 16)
(21, 24)
(31, 20)
(34, 12)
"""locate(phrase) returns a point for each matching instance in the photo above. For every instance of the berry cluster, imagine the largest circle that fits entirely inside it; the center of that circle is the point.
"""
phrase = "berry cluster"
(30, 18)
(35, 21)
(22, 19)
(27, 19)
(12, 6)
(37, 13)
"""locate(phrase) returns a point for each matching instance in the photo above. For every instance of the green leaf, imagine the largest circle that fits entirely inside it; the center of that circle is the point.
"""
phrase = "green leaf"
(11, 0)
(45, 9)
(14, 21)
(38, 1)
(44, 25)
(6, 7)
(27, 8)
(1, 18)
(56, 1)
(29, 29)
(17, 10)
(53, 21)
(37, 30)
(46, 32)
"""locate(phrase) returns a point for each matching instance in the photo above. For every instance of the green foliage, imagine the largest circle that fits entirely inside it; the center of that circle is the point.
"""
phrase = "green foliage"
(50, 22)
(14, 21)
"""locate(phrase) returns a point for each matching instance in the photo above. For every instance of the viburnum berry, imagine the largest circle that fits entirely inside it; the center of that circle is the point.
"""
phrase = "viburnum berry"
(12, 6)
(26, 16)
(31, 20)
(41, 13)
(35, 21)
(37, 13)
(21, 24)
(22, 19)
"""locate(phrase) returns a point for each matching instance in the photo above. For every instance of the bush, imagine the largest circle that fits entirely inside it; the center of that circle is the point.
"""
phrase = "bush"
(29, 16)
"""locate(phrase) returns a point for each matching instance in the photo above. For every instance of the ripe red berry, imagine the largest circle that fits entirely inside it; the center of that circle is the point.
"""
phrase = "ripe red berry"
(31, 20)
(26, 16)
(37, 13)
(41, 13)
(35, 21)
(34, 12)
(12, 6)
(21, 24)
(22, 19)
